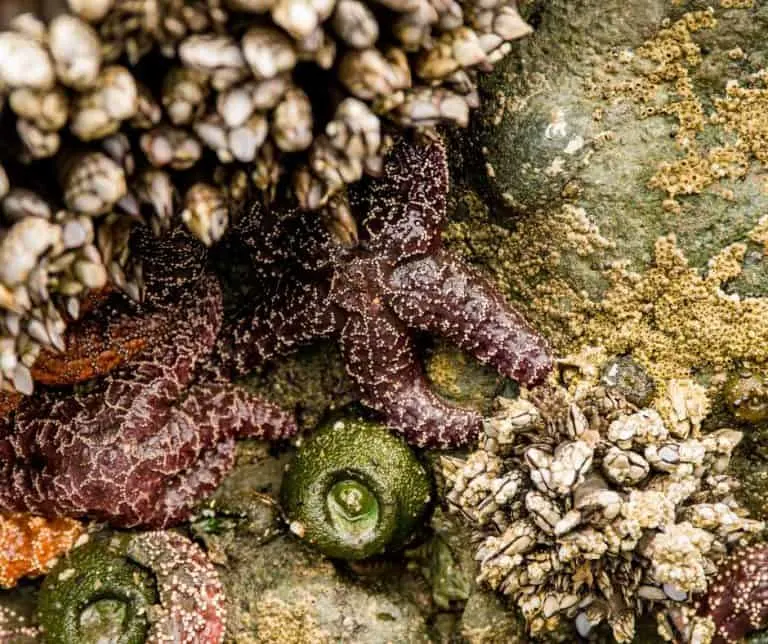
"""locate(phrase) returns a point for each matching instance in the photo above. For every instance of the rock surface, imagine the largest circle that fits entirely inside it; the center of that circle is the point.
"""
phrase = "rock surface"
(564, 185)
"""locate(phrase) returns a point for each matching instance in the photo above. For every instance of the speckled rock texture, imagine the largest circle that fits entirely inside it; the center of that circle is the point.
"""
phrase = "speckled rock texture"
(614, 184)
(556, 132)
(550, 136)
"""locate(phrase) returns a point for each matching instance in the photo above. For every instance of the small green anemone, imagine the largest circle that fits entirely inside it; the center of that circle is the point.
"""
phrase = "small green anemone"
(96, 595)
(354, 490)
(746, 395)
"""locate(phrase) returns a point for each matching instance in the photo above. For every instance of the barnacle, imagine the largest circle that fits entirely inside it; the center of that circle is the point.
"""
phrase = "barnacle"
(592, 510)
(45, 262)
(323, 79)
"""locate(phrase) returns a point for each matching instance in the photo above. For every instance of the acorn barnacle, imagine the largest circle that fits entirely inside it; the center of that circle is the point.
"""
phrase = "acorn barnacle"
(593, 514)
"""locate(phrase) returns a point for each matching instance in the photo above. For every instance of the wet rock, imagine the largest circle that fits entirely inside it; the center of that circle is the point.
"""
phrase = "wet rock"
(487, 621)
(284, 593)
(311, 382)
(244, 506)
(752, 472)
(555, 130)
(462, 379)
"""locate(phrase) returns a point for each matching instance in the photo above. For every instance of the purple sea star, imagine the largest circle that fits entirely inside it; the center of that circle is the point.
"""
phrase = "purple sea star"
(737, 601)
(142, 444)
(396, 278)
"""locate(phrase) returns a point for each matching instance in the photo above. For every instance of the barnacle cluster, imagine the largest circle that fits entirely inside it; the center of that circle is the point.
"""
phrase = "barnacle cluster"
(593, 510)
(48, 261)
(114, 110)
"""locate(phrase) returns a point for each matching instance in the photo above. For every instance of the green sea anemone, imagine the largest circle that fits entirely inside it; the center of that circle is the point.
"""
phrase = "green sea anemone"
(95, 595)
(354, 490)
(746, 395)
(155, 586)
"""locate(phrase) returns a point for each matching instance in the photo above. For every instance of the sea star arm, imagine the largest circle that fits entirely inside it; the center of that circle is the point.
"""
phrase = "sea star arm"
(737, 598)
(11, 477)
(70, 451)
(380, 358)
(404, 210)
(237, 413)
(292, 315)
(211, 417)
(155, 481)
(108, 336)
(440, 294)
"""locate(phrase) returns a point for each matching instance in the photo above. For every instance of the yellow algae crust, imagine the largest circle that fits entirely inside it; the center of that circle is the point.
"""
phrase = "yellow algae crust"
(674, 319)
(660, 81)
(524, 262)
(278, 622)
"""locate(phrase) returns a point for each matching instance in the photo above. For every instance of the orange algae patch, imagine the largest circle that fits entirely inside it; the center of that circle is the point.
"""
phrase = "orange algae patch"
(96, 344)
(8, 402)
(88, 355)
(30, 545)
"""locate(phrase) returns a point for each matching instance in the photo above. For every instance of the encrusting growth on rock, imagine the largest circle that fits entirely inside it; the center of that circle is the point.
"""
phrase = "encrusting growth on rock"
(662, 82)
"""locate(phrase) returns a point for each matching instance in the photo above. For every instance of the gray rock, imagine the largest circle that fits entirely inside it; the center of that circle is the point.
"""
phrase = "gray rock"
(549, 136)
(284, 593)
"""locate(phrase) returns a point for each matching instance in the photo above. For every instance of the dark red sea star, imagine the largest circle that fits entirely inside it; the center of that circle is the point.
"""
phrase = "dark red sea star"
(397, 278)
(142, 444)
(737, 601)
